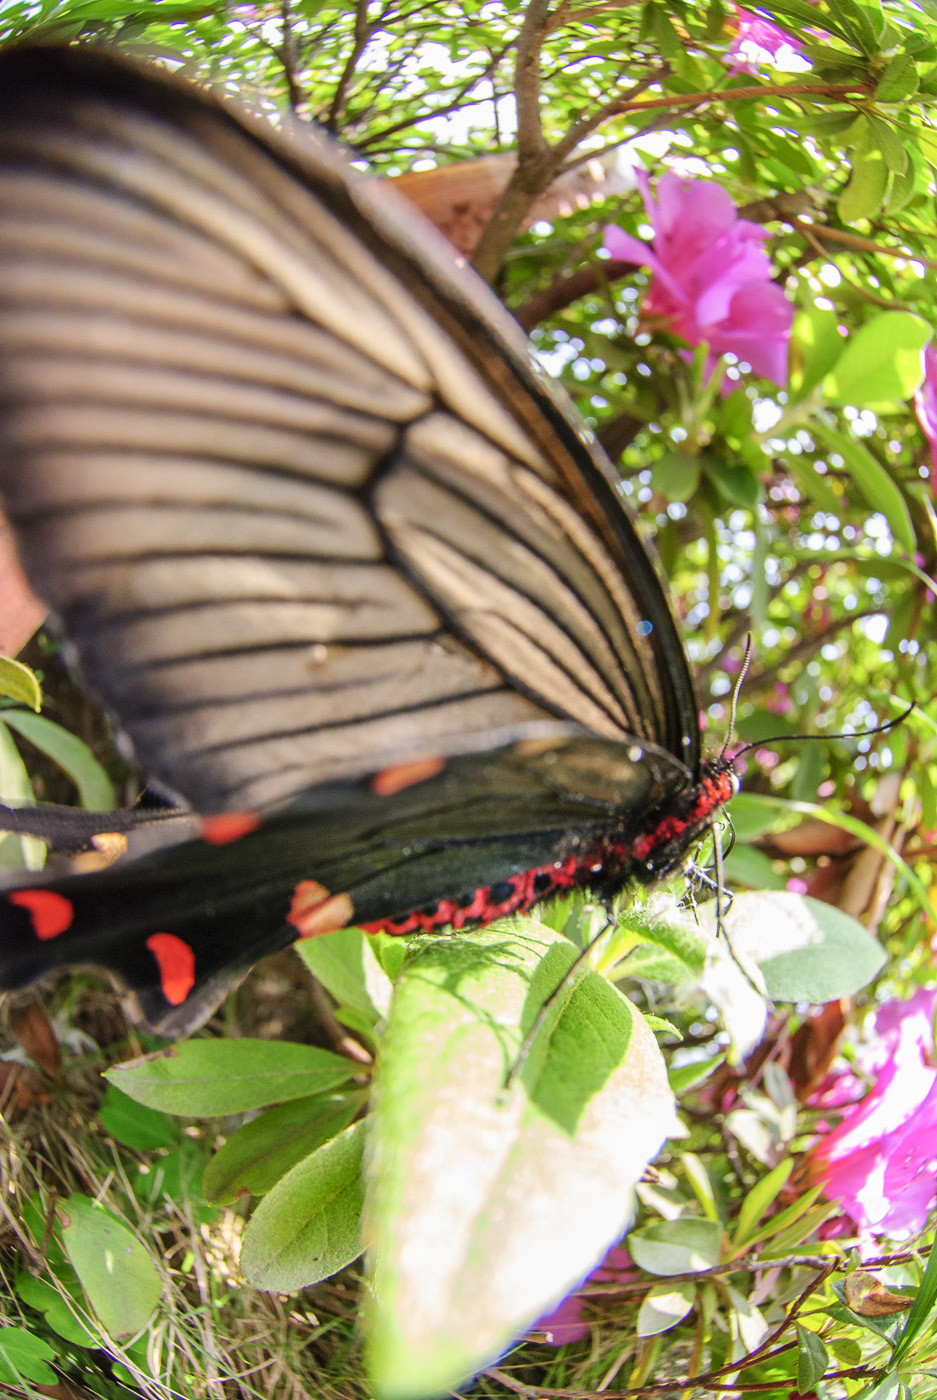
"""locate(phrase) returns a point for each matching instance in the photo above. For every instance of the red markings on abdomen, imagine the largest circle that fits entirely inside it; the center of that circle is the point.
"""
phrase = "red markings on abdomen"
(513, 895)
(176, 965)
(228, 826)
(51, 913)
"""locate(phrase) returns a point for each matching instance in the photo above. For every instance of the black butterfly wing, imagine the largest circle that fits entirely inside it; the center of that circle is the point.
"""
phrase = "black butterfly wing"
(296, 496)
(481, 836)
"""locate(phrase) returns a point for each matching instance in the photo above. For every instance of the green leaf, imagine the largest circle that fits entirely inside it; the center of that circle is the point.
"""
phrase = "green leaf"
(176, 1175)
(893, 149)
(865, 191)
(749, 818)
(308, 1226)
(685, 1077)
(61, 1306)
(812, 1359)
(203, 1078)
(655, 964)
(699, 1180)
(864, 26)
(24, 1357)
(663, 1307)
(880, 364)
(736, 483)
(266, 1148)
(921, 1312)
(888, 1388)
(873, 481)
(15, 791)
(899, 80)
(676, 476)
(345, 964)
(806, 950)
(787, 1220)
(133, 1124)
(486, 1204)
(19, 683)
(115, 1270)
(757, 1202)
(684, 1246)
(816, 345)
(72, 755)
(680, 940)
(746, 865)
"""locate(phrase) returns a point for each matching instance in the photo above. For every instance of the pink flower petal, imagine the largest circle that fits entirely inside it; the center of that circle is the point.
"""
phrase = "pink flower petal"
(711, 274)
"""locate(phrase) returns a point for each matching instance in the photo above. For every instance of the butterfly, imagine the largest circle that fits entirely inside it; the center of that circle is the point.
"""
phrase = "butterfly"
(351, 579)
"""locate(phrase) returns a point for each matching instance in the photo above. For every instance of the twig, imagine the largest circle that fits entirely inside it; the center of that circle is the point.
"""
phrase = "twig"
(819, 232)
(363, 30)
(536, 162)
(744, 94)
(710, 1380)
(459, 102)
(288, 54)
(733, 1266)
(563, 291)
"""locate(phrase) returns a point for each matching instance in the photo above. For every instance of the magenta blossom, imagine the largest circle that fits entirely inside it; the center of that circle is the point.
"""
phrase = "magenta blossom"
(925, 406)
(756, 37)
(712, 277)
(565, 1323)
(880, 1163)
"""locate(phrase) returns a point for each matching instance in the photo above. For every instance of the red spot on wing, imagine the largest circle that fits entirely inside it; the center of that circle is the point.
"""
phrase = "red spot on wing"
(176, 965)
(228, 826)
(403, 775)
(315, 910)
(51, 913)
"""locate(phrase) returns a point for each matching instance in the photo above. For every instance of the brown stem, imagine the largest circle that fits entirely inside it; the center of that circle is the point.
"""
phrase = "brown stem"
(563, 291)
(819, 233)
(363, 31)
(288, 54)
(457, 103)
(743, 94)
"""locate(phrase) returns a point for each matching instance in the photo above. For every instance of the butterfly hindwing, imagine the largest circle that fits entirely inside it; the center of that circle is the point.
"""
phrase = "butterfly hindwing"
(481, 834)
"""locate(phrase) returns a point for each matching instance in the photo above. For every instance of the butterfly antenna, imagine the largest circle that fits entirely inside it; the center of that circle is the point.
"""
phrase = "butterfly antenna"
(736, 692)
(856, 733)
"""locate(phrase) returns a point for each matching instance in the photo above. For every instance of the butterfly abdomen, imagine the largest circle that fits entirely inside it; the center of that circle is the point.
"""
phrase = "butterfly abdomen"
(604, 866)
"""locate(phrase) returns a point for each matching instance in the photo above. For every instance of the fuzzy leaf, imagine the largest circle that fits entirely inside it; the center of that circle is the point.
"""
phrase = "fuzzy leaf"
(487, 1205)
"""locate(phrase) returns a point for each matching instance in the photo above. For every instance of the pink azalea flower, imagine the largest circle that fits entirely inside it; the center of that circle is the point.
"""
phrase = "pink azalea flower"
(925, 406)
(880, 1163)
(565, 1323)
(712, 277)
(756, 37)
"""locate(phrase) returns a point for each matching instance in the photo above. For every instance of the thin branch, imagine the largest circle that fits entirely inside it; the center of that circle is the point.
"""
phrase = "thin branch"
(581, 129)
(458, 102)
(563, 291)
(807, 645)
(288, 54)
(744, 94)
(710, 1380)
(733, 1266)
(363, 32)
(816, 233)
